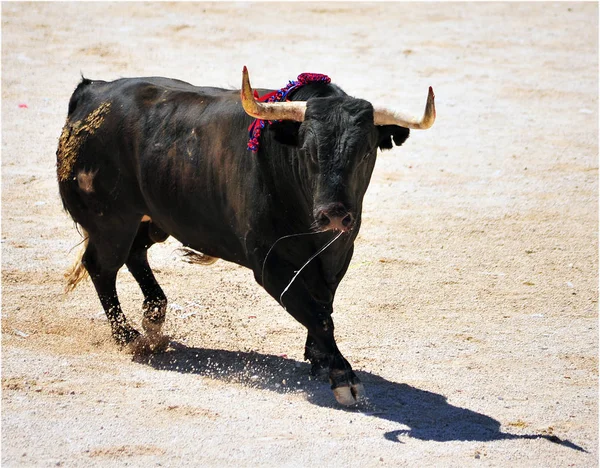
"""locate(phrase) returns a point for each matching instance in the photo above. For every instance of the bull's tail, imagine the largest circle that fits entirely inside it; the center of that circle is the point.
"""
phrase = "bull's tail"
(198, 258)
(77, 272)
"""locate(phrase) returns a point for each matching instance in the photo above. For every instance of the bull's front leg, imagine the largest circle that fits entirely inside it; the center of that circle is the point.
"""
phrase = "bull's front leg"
(321, 349)
(323, 352)
(309, 299)
(319, 361)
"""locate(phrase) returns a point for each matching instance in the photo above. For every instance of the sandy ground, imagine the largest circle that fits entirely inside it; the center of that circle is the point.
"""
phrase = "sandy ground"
(470, 308)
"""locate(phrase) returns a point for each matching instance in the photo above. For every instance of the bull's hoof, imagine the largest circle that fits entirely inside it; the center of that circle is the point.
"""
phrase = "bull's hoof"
(125, 335)
(154, 316)
(347, 388)
(350, 395)
(145, 345)
(152, 327)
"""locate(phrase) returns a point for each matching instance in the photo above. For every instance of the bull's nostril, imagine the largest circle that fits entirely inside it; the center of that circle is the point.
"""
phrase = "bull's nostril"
(323, 219)
(347, 220)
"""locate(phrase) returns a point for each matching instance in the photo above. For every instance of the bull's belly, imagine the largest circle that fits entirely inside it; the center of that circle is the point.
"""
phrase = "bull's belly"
(209, 240)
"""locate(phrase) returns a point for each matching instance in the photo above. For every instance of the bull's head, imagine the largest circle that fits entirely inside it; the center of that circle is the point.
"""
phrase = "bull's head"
(338, 137)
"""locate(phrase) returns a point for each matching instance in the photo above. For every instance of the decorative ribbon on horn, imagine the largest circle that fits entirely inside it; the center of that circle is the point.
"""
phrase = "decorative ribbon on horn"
(280, 95)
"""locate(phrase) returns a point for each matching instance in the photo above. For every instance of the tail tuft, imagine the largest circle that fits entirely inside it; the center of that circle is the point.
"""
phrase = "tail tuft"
(198, 258)
(77, 272)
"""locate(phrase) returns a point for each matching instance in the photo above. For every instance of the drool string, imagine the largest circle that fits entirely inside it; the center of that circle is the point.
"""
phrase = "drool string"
(307, 262)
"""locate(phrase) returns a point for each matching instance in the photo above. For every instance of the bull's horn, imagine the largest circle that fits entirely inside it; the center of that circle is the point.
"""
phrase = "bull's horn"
(269, 110)
(383, 116)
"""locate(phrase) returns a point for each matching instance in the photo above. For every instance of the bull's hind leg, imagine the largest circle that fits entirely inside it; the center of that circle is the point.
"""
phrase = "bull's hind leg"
(155, 301)
(102, 260)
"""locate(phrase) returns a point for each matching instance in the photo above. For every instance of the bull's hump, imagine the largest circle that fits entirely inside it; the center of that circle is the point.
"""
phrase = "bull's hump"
(149, 95)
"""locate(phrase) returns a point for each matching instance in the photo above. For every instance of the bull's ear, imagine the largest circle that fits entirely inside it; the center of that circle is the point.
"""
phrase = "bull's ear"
(285, 132)
(389, 132)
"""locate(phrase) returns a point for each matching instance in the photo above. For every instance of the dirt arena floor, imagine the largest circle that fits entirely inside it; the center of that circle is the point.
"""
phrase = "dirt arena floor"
(469, 310)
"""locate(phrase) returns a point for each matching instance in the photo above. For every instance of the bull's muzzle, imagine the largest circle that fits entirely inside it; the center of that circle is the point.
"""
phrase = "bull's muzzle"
(334, 217)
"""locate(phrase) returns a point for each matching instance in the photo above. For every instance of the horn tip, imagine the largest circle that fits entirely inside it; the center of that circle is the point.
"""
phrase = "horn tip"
(430, 92)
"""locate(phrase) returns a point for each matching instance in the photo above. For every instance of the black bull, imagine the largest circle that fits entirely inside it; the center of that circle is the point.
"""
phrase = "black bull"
(144, 158)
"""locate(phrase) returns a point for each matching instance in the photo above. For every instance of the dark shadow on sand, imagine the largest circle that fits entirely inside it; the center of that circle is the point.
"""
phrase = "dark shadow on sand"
(425, 415)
